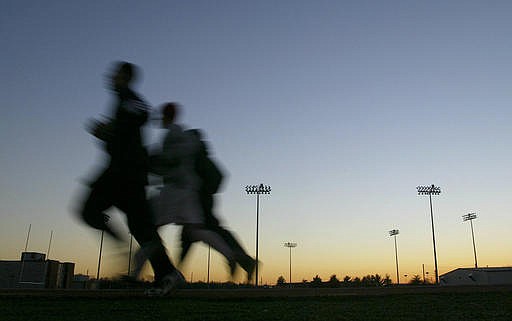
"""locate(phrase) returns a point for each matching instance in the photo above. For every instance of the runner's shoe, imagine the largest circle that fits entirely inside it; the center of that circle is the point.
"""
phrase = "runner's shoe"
(168, 285)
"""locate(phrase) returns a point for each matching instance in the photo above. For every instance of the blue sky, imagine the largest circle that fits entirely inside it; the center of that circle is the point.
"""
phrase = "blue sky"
(342, 107)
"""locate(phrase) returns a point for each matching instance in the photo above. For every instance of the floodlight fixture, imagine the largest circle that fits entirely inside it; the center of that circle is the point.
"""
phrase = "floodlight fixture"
(258, 189)
(428, 190)
(468, 217)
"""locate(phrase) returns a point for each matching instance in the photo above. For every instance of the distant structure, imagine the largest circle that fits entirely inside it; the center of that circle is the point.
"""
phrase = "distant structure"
(35, 271)
(478, 276)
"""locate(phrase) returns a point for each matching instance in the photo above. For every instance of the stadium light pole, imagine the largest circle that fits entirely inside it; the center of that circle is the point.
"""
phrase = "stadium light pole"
(290, 245)
(49, 245)
(394, 233)
(470, 217)
(106, 218)
(28, 237)
(431, 190)
(208, 273)
(257, 189)
(130, 256)
(99, 256)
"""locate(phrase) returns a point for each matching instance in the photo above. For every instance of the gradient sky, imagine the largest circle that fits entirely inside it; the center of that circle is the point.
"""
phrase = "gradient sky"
(342, 107)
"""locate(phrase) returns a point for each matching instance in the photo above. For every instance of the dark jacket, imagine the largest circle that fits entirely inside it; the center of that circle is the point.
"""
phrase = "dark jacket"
(128, 157)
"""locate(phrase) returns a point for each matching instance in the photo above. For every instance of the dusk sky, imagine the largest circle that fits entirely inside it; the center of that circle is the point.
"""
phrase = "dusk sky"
(342, 107)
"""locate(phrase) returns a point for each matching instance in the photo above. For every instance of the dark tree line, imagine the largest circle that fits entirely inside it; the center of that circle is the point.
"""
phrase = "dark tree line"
(333, 282)
(370, 280)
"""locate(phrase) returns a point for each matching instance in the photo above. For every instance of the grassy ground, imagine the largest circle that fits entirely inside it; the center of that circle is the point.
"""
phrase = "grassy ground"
(479, 306)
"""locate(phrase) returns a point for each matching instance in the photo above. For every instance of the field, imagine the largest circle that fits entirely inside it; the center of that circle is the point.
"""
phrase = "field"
(478, 303)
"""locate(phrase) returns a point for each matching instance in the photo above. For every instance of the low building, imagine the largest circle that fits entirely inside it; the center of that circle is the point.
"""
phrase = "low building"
(34, 271)
(9, 274)
(478, 276)
(81, 281)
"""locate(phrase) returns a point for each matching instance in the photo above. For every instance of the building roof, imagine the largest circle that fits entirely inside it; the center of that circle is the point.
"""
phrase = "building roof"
(482, 269)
